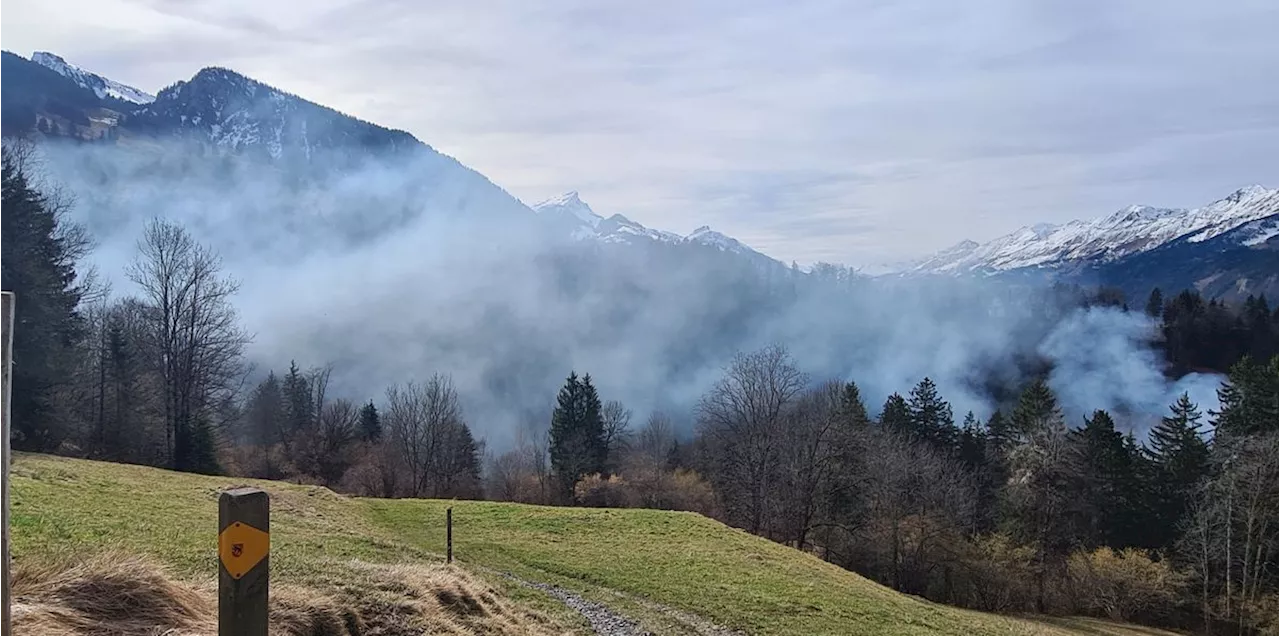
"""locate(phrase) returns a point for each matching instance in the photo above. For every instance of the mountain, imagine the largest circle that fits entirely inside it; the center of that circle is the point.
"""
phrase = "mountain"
(222, 111)
(570, 215)
(1226, 249)
(242, 115)
(1233, 264)
(101, 86)
(1133, 230)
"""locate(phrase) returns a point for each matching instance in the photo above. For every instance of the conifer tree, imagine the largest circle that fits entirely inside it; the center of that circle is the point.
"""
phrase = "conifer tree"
(971, 445)
(297, 394)
(1247, 399)
(896, 416)
(577, 433)
(1037, 410)
(1155, 303)
(1179, 458)
(852, 410)
(370, 423)
(998, 431)
(1113, 491)
(37, 263)
(930, 416)
(1043, 492)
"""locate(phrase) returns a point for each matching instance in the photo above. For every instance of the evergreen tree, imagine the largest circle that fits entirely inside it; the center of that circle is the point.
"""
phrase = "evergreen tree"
(298, 400)
(1113, 489)
(265, 412)
(370, 423)
(37, 263)
(930, 416)
(1247, 399)
(1037, 410)
(1179, 457)
(896, 416)
(852, 410)
(202, 452)
(577, 433)
(999, 431)
(972, 442)
(1155, 303)
(1043, 495)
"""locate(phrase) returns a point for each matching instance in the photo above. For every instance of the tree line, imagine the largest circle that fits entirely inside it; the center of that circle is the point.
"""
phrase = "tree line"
(1021, 510)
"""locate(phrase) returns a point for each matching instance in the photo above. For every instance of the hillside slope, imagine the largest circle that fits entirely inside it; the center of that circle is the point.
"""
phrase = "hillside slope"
(629, 559)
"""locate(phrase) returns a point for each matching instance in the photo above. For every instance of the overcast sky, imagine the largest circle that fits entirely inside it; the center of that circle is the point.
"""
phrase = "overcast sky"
(851, 131)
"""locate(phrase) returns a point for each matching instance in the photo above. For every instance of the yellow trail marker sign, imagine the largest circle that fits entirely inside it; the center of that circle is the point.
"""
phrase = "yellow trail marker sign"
(242, 546)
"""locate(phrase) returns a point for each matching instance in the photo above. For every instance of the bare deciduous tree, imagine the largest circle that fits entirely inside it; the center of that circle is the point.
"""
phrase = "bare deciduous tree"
(617, 432)
(743, 416)
(426, 425)
(196, 341)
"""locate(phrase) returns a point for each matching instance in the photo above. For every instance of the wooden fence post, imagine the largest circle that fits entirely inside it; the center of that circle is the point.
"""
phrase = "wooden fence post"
(6, 361)
(244, 545)
(448, 535)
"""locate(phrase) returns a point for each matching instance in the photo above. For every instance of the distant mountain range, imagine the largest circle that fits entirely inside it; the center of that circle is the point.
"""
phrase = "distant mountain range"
(1227, 248)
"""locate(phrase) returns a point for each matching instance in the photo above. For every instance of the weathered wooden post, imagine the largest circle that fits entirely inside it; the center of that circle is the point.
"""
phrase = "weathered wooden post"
(244, 544)
(6, 361)
(448, 535)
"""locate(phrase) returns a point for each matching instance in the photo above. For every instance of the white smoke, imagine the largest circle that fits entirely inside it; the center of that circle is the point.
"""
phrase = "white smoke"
(393, 272)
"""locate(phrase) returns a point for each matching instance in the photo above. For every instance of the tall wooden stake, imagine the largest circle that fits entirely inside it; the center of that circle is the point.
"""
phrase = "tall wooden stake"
(244, 546)
(448, 535)
(6, 362)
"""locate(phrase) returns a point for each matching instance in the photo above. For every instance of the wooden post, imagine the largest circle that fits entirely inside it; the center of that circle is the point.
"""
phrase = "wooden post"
(6, 362)
(244, 545)
(448, 535)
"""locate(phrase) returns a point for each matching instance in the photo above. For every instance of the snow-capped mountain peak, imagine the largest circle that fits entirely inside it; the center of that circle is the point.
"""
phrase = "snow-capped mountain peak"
(569, 205)
(707, 236)
(101, 86)
(1131, 230)
(572, 216)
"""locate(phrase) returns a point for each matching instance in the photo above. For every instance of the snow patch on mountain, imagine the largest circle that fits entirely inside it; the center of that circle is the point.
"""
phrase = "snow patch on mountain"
(101, 86)
(1128, 231)
(582, 223)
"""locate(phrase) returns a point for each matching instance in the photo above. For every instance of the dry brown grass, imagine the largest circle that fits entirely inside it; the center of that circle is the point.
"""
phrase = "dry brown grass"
(116, 594)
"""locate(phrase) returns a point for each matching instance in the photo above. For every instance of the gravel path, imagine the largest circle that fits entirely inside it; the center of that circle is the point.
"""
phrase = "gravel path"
(606, 622)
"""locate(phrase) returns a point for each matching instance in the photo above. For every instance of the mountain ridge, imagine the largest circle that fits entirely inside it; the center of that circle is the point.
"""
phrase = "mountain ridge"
(101, 86)
(1128, 231)
(583, 223)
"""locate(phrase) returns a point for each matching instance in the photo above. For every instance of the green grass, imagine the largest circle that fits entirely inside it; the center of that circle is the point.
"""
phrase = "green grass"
(677, 559)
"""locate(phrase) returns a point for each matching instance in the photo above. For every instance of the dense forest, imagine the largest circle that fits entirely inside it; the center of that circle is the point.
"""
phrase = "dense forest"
(1024, 509)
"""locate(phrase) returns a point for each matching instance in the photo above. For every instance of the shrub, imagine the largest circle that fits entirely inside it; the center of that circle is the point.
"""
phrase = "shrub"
(596, 491)
(996, 574)
(1123, 584)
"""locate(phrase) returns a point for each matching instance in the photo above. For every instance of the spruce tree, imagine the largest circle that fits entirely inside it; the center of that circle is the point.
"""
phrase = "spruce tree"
(37, 264)
(930, 416)
(1037, 410)
(1155, 304)
(1113, 492)
(1180, 459)
(999, 431)
(971, 444)
(298, 400)
(853, 413)
(1044, 491)
(1247, 399)
(370, 423)
(896, 416)
(577, 433)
